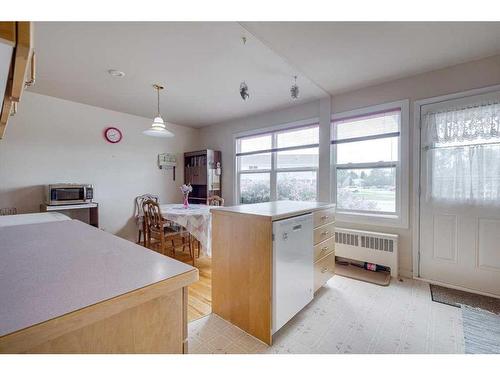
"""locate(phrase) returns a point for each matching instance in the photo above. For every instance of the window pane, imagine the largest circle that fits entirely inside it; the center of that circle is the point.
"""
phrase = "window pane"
(367, 189)
(298, 158)
(256, 161)
(255, 187)
(380, 123)
(374, 150)
(298, 137)
(296, 186)
(259, 142)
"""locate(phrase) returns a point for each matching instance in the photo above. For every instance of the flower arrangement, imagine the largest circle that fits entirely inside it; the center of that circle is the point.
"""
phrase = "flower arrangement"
(186, 189)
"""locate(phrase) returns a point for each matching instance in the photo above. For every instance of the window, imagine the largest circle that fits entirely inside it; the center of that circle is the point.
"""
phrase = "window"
(462, 153)
(367, 162)
(278, 165)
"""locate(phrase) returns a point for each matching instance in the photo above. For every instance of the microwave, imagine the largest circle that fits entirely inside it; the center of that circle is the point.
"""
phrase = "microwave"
(60, 194)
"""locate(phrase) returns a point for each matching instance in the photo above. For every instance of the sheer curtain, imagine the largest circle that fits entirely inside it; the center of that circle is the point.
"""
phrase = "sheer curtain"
(462, 147)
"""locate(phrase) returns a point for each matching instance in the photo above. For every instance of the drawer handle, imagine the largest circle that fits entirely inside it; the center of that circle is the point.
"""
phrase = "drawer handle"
(325, 248)
(325, 233)
(324, 270)
(324, 217)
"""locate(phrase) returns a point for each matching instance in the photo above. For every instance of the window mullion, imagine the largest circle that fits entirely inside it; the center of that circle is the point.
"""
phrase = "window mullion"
(274, 193)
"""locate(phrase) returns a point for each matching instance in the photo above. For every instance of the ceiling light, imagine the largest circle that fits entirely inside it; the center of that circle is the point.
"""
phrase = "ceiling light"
(244, 91)
(116, 73)
(243, 86)
(158, 128)
(294, 90)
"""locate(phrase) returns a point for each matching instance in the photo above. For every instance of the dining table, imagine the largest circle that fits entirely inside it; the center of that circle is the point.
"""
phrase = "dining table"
(195, 218)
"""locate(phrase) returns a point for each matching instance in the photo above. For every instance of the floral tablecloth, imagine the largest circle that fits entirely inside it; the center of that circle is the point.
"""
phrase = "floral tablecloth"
(196, 219)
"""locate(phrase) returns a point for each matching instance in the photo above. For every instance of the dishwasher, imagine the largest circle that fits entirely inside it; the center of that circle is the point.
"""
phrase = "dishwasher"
(293, 271)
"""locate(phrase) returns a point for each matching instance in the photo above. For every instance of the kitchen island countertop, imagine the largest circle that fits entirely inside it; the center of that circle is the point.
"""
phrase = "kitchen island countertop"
(277, 210)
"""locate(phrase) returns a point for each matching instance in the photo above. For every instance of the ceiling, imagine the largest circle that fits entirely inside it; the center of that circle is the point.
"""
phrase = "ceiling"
(202, 63)
(343, 56)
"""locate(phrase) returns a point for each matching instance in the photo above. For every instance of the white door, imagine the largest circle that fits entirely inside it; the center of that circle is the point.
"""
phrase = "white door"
(460, 193)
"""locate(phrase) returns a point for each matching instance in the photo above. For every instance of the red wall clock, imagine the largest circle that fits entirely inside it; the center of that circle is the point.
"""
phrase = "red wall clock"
(112, 134)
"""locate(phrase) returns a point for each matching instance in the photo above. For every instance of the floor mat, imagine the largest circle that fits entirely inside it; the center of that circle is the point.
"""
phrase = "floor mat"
(456, 298)
(481, 331)
(379, 278)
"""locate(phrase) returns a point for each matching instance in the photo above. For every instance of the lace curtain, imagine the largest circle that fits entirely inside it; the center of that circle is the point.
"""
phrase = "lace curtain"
(462, 149)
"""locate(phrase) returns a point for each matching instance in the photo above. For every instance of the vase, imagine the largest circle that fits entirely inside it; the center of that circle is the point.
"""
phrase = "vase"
(186, 201)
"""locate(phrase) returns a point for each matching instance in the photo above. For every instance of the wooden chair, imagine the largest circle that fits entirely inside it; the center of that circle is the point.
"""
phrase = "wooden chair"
(158, 228)
(8, 211)
(139, 213)
(215, 200)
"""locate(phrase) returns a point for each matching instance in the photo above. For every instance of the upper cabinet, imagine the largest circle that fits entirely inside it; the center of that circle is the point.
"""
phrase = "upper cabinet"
(17, 66)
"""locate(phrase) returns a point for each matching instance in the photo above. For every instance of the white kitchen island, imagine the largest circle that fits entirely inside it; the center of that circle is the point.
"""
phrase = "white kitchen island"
(250, 263)
(68, 287)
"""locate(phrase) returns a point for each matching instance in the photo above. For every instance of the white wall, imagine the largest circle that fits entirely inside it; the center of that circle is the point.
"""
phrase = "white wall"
(52, 140)
(481, 73)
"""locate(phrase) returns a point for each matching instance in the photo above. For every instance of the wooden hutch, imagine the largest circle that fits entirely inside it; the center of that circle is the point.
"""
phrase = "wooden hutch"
(203, 170)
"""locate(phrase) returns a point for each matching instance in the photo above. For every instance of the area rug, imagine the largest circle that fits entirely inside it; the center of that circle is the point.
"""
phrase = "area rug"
(353, 272)
(481, 331)
(456, 298)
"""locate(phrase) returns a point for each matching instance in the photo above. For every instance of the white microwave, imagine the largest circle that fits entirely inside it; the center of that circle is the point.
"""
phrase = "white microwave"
(59, 194)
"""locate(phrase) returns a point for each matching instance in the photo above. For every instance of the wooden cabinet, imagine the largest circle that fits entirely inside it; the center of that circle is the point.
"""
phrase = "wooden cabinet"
(17, 66)
(203, 170)
(242, 259)
(324, 246)
(324, 269)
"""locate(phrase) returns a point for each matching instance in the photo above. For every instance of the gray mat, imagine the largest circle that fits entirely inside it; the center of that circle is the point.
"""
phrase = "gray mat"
(481, 331)
(454, 297)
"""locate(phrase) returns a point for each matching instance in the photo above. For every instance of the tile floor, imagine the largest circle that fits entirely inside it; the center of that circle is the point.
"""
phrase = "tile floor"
(348, 316)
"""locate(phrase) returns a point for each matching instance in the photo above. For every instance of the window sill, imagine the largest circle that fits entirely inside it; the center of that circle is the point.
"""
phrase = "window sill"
(382, 220)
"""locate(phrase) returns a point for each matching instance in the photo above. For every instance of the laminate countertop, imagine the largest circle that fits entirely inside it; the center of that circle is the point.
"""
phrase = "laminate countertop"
(54, 268)
(276, 210)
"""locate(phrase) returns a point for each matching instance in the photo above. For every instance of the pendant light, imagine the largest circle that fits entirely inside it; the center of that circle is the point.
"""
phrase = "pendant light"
(158, 128)
(294, 90)
(243, 85)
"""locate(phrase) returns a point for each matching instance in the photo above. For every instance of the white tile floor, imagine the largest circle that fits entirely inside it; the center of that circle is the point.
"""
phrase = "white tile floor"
(348, 316)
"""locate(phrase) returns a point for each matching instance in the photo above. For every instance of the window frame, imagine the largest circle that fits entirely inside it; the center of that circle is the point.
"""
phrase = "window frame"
(274, 170)
(399, 219)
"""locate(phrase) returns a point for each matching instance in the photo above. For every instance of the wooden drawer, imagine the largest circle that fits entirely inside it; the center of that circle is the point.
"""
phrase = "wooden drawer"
(323, 217)
(324, 232)
(324, 269)
(324, 248)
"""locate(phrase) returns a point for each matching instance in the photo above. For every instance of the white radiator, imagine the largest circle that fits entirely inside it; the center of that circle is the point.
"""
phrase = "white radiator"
(371, 247)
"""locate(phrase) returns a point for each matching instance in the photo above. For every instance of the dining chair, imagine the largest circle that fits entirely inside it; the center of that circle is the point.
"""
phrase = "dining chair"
(8, 211)
(139, 213)
(215, 200)
(156, 227)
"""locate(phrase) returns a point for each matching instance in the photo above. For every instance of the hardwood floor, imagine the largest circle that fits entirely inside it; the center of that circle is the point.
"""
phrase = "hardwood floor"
(199, 293)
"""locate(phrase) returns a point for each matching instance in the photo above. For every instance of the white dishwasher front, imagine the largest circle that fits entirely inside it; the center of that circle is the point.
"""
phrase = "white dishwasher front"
(293, 271)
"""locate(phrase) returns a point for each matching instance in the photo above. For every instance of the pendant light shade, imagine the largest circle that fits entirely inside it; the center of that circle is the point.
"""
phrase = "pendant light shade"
(158, 128)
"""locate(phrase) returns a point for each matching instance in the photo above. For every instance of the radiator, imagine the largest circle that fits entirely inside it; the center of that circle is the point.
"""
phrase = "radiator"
(371, 247)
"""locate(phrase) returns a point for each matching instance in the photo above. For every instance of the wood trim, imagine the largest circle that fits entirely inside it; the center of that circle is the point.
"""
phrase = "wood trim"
(242, 271)
(8, 33)
(35, 336)
(185, 298)
(23, 52)
(5, 112)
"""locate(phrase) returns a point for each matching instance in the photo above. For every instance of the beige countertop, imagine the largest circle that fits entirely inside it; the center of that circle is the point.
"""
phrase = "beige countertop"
(53, 268)
(276, 210)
